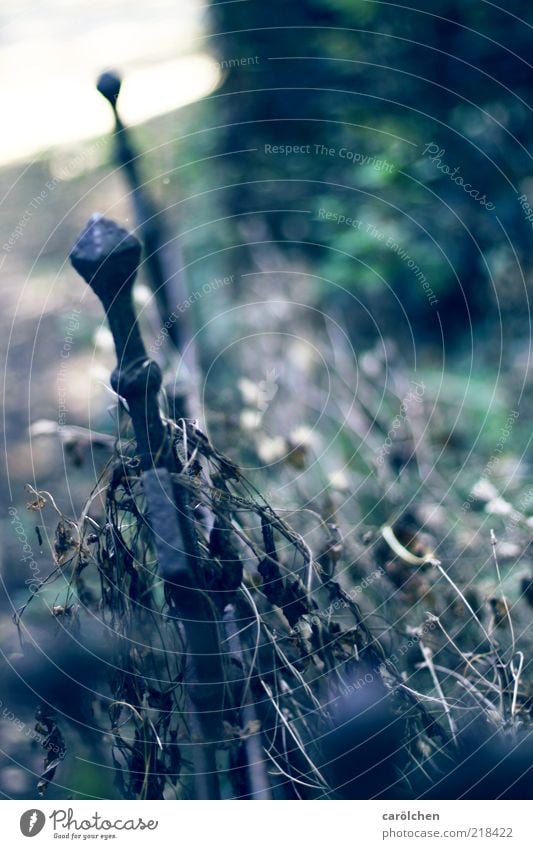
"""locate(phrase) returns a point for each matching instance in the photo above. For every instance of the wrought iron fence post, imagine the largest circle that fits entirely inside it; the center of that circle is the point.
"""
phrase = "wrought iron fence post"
(162, 252)
(107, 257)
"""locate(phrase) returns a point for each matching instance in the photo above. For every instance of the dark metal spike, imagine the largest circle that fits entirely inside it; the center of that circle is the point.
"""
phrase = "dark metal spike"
(108, 84)
(163, 260)
(107, 257)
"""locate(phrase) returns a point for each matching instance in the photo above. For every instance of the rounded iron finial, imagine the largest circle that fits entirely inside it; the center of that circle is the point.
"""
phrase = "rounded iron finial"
(107, 257)
(108, 84)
